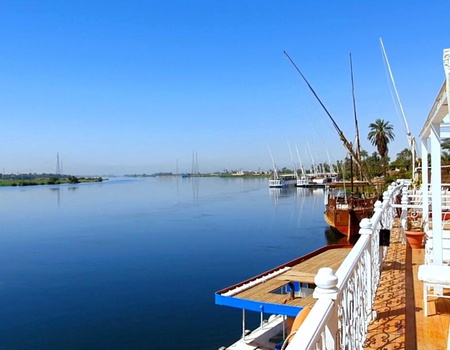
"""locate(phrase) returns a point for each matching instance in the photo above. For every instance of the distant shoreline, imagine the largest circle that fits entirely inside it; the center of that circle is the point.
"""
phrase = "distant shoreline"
(187, 175)
(40, 180)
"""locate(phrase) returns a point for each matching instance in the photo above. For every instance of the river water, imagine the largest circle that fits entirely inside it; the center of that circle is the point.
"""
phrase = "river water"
(133, 263)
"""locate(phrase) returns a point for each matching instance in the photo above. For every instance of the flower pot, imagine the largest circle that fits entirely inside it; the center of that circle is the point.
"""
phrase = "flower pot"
(415, 238)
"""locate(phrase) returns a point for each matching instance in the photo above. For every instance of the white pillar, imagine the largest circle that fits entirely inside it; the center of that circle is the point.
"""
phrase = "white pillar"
(436, 179)
(243, 324)
(425, 180)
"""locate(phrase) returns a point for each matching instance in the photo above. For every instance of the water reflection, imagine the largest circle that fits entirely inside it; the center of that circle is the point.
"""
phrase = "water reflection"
(295, 191)
(334, 237)
(58, 191)
(195, 181)
(279, 194)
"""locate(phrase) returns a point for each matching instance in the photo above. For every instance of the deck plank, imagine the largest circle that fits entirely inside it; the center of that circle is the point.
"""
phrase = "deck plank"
(400, 321)
(302, 272)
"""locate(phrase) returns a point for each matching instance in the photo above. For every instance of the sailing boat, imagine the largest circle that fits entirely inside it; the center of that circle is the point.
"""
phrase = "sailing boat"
(346, 203)
(319, 178)
(344, 210)
(303, 180)
(280, 180)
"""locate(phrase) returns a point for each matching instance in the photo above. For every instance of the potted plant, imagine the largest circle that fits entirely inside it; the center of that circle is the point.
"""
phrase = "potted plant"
(414, 232)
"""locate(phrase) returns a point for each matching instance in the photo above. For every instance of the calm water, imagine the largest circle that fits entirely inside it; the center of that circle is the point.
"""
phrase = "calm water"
(134, 263)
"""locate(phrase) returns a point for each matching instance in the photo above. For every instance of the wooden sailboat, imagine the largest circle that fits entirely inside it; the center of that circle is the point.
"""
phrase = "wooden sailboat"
(346, 203)
(344, 211)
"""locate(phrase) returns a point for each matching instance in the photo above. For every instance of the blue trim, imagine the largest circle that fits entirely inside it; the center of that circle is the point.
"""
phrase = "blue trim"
(278, 309)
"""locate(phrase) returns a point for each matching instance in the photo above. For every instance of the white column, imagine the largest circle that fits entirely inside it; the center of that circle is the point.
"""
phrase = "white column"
(243, 324)
(435, 145)
(425, 179)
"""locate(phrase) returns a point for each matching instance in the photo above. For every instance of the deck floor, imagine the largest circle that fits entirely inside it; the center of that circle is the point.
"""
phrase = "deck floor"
(302, 272)
(400, 321)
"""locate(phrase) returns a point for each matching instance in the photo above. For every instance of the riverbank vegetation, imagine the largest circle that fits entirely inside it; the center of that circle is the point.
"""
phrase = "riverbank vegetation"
(43, 179)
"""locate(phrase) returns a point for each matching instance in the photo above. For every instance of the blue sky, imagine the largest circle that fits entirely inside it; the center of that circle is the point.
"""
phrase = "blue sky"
(120, 87)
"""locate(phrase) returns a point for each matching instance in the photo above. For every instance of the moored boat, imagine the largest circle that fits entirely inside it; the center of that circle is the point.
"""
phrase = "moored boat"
(344, 209)
(282, 180)
(282, 292)
(303, 182)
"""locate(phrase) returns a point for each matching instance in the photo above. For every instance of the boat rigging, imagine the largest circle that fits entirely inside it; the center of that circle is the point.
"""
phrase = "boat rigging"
(411, 139)
(344, 140)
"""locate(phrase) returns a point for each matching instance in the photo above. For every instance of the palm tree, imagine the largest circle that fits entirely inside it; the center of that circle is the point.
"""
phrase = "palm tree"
(380, 134)
(445, 144)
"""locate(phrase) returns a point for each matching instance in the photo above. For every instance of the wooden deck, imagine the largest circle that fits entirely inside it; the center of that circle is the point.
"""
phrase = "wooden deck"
(302, 272)
(400, 322)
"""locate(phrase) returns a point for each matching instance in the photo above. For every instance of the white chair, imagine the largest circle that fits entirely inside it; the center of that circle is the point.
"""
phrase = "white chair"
(445, 244)
(445, 248)
(435, 279)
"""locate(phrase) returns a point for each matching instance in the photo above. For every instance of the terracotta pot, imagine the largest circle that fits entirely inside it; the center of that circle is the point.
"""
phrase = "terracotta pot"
(415, 238)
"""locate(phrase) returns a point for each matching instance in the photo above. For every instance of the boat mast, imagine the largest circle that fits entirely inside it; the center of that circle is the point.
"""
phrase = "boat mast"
(411, 140)
(293, 163)
(329, 163)
(275, 172)
(344, 140)
(314, 169)
(300, 161)
(358, 145)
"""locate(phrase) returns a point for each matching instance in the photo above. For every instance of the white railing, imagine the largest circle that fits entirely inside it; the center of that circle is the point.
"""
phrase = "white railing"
(343, 310)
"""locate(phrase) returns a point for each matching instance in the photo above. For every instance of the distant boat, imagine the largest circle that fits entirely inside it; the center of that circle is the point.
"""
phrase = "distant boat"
(280, 180)
(319, 181)
(184, 175)
(303, 182)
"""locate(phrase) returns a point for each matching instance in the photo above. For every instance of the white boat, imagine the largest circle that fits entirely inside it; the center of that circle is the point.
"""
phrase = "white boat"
(303, 182)
(282, 180)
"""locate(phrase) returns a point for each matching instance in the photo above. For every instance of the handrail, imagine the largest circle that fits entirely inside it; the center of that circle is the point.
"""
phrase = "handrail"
(343, 310)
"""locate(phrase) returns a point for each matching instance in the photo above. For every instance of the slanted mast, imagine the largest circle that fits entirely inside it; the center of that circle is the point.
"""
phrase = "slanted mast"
(344, 140)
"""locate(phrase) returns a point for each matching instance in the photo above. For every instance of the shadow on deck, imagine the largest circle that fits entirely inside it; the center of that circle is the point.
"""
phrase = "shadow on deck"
(400, 322)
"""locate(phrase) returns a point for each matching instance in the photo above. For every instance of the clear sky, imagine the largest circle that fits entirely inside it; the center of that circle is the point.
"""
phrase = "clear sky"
(120, 87)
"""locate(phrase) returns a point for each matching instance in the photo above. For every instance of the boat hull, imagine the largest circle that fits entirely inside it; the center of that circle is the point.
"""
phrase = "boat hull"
(345, 217)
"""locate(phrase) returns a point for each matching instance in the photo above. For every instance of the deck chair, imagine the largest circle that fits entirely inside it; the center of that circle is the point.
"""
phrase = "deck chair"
(445, 250)
(445, 244)
(435, 278)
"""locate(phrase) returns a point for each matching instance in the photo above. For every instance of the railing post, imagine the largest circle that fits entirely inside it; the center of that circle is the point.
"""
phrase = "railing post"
(387, 216)
(326, 282)
(326, 288)
(366, 229)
